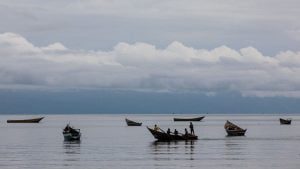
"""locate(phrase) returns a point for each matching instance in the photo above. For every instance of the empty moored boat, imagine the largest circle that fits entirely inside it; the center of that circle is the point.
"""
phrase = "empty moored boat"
(189, 119)
(71, 134)
(35, 120)
(285, 121)
(163, 136)
(234, 130)
(132, 123)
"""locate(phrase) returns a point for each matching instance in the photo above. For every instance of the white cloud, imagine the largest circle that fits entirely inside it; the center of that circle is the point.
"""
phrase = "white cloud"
(142, 66)
(55, 47)
(14, 43)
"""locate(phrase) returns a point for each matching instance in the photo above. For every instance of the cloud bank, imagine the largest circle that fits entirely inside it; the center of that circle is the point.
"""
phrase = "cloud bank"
(142, 66)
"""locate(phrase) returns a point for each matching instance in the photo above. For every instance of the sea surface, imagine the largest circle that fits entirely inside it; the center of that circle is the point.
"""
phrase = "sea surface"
(109, 144)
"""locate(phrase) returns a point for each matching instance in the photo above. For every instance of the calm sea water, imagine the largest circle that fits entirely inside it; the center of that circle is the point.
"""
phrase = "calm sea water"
(109, 144)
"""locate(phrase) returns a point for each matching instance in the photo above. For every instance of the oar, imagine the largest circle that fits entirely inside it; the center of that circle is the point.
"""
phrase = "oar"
(162, 130)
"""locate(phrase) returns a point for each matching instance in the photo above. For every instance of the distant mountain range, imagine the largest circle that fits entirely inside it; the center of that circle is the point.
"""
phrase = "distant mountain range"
(106, 101)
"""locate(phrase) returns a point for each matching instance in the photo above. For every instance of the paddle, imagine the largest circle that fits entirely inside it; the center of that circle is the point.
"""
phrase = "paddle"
(162, 130)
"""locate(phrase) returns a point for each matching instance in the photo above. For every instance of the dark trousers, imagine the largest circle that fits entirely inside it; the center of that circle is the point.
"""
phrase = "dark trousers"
(192, 131)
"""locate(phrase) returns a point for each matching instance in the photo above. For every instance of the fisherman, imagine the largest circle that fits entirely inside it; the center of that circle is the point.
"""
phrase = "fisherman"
(67, 128)
(156, 128)
(192, 128)
(186, 132)
(169, 131)
(175, 132)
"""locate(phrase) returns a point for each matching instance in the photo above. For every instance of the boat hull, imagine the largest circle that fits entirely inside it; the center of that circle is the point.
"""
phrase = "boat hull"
(285, 121)
(189, 119)
(162, 136)
(36, 120)
(71, 137)
(132, 123)
(236, 132)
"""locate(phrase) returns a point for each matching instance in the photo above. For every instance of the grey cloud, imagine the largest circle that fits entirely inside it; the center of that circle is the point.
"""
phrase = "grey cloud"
(270, 26)
(142, 66)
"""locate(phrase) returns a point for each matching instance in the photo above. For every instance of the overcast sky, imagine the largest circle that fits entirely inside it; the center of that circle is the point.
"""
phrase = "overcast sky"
(249, 46)
(270, 26)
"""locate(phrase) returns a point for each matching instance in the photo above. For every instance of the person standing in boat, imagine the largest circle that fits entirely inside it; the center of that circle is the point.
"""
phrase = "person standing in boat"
(192, 128)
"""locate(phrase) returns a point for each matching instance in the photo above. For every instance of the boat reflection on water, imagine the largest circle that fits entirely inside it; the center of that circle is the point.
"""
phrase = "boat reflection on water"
(189, 145)
(72, 154)
(234, 149)
(163, 149)
(189, 148)
(72, 147)
(186, 142)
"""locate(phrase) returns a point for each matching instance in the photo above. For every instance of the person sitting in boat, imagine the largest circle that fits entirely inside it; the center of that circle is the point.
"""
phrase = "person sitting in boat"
(175, 132)
(186, 132)
(67, 128)
(168, 131)
(156, 128)
(192, 128)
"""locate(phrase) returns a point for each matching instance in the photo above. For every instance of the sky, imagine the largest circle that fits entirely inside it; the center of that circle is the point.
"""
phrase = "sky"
(190, 49)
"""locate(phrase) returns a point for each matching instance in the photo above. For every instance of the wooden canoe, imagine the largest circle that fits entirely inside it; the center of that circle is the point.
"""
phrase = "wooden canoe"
(189, 119)
(285, 121)
(71, 134)
(233, 129)
(132, 123)
(35, 120)
(163, 136)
